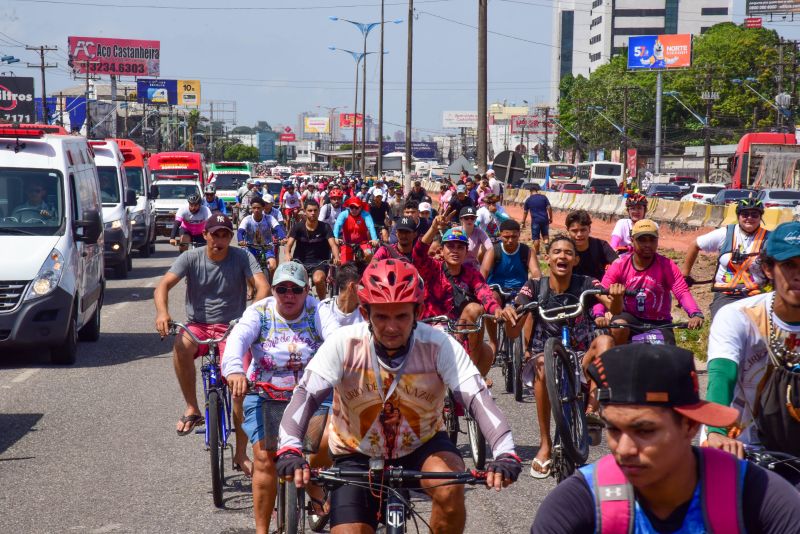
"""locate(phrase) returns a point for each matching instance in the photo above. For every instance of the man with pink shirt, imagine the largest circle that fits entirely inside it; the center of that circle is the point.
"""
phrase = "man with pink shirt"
(653, 277)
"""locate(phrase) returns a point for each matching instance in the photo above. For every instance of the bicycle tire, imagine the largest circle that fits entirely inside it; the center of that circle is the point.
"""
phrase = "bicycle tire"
(215, 450)
(280, 505)
(450, 418)
(295, 509)
(477, 443)
(516, 351)
(565, 403)
(505, 359)
(563, 466)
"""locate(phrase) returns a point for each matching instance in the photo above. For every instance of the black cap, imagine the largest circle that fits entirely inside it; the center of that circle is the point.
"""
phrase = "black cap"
(657, 375)
(468, 211)
(406, 223)
(218, 221)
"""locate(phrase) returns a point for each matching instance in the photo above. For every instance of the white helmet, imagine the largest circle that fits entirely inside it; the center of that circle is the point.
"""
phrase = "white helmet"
(269, 199)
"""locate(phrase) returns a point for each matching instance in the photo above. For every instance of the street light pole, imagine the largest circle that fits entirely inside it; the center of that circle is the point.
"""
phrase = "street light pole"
(355, 123)
(409, 70)
(364, 110)
(379, 159)
(482, 97)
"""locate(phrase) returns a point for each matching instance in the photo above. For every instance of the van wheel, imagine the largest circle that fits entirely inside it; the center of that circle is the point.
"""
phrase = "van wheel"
(129, 262)
(65, 353)
(91, 330)
(144, 250)
(121, 270)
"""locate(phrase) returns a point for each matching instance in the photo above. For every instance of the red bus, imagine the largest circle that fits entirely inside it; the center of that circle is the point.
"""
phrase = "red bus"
(178, 165)
(755, 163)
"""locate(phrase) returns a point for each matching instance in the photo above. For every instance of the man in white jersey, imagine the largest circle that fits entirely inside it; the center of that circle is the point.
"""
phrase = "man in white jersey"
(291, 203)
(190, 220)
(257, 232)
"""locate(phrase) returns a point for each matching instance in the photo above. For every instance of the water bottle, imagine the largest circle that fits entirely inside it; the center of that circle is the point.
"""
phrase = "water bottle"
(641, 296)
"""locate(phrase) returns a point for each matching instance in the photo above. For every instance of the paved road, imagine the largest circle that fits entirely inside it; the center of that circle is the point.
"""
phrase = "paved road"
(92, 447)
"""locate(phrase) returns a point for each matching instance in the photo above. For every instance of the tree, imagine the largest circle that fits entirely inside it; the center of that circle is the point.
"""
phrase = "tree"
(192, 123)
(241, 152)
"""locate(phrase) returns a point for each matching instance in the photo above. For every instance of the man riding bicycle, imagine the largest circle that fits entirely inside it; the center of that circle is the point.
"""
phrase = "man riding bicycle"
(388, 362)
(739, 245)
(329, 212)
(405, 230)
(212, 201)
(190, 220)
(636, 204)
(258, 232)
(311, 243)
(355, 228)
(290, 204)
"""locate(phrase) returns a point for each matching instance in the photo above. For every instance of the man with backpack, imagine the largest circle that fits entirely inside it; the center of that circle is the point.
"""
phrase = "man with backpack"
(754, 356)
(739, 245)
(654, 480)
(595, 254)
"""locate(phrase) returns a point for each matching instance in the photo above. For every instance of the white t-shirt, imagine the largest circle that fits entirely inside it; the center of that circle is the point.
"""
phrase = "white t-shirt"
(739, 333)
(291, 200)
(330, 318)
(712, 241)
(494, 184)
(622, 231)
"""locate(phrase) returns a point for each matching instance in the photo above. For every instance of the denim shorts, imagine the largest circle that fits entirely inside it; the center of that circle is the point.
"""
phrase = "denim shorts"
(539, 229)
(259, 411)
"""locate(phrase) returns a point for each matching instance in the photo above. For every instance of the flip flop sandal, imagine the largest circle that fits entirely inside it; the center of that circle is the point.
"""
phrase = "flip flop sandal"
(545, 466)
(317, 520)
(194, 420)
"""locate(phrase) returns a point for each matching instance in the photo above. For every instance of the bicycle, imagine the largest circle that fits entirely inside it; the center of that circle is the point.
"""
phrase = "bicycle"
(217, 407)
(510, 352)
(781, 463)
(390, 482)
(648, 334)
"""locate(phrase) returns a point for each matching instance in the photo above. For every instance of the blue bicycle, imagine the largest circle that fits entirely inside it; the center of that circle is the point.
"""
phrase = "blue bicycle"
(218, 406)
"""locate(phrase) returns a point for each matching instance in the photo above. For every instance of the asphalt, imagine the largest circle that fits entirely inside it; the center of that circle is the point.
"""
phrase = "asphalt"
(92, 448)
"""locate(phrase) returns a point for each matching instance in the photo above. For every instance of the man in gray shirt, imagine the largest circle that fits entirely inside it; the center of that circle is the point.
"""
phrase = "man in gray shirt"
(217, 278)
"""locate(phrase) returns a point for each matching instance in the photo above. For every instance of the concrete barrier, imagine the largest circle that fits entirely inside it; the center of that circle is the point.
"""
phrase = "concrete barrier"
(665, 210)
(567, 200)
(730, 215)
(716, 217)
(608, 206)
(596, 202)
(581, 202)
(699, 214)
(556, 200)
(684, 212)
(522, 194)
(776, 216)
(622, 208)
(652, 205)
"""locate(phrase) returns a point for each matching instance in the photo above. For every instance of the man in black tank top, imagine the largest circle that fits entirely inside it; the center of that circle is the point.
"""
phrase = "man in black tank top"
(595, 254)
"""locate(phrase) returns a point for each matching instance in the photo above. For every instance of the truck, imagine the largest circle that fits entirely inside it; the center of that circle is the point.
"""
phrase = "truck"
(766, 160)
(228, 177)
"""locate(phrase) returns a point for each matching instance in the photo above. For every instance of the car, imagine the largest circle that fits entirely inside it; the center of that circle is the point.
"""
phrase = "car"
(668, 191)
(571, 188)
(684, 182)
(729, 196)
(702, 192)
(779, 198)
(603, 186)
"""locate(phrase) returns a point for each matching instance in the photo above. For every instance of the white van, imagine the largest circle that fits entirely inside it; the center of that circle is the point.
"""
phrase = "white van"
(117, 198)
(51, 234)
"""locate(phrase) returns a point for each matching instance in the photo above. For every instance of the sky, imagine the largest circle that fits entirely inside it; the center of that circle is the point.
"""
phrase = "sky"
(272, 56)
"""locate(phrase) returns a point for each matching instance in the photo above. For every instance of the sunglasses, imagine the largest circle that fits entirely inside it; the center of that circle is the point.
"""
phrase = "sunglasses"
(355, 207)
(750, 215)
(469, 218)
(282, 290)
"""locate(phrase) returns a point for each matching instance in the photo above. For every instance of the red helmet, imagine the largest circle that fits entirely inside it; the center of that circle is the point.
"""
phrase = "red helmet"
(389, 282)
(336, 193)
(353, 201)
(636, 199)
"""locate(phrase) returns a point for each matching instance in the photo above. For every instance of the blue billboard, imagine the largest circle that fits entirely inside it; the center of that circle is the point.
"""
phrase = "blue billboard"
(151, 91)
(659, 52)
(419, 149)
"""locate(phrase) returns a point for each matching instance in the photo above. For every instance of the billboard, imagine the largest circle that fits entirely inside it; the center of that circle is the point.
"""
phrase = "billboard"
(16, 99)
(419, 149)
(287, 137)
(459, 119)
(171, 92)
(189, 93)
(122, 57)
(317, 125)
(531, 124)
(771, 7)
(346, 120)
(659, 52)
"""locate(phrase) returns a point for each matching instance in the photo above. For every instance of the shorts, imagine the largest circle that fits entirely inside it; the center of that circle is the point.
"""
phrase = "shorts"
(203, 331)
(351, 504)
(197, 239)
(720, 300)
(668, 333)
(311, 268)
(539, 229)
(268, 253)
(262, 420)
(346, 253)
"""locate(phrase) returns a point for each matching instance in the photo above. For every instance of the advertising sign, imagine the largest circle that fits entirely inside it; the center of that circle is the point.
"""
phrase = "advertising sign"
(16, 99)
(346, 120)
(459, 119)
(753, 22)
(657, 52)
(149, 91)
(419, 149)
(632, 161)
(189, 93)
(287, 137)
(771, 7)
(317, 125)
(531, 124)
(123, 57)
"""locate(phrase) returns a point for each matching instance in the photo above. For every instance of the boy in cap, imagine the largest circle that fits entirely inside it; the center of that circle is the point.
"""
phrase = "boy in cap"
(654, 480)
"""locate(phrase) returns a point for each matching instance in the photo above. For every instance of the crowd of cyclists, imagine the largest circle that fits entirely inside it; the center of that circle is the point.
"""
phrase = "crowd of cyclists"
(365, 357)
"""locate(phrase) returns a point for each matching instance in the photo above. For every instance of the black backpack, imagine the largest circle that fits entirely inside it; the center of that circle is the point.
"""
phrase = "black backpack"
(777, 408)
(525, 254)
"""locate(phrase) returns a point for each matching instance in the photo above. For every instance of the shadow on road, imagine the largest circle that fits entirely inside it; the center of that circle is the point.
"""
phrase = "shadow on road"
(115, 295)
(15, 426)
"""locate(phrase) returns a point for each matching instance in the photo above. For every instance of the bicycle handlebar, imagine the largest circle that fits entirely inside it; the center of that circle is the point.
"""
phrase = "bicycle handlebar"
(647, 327)
(768, 459)
(175, 326)
(396, 475)
(570, 311)
(274, 392)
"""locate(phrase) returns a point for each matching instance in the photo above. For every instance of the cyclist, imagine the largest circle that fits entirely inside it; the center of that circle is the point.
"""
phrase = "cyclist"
(739, 245)
(290, 204)
(393, 350)
(455, 288)
(311, 243)
(259, 231)
(189, 223)
(355, 228)
(490, 216)
(595, 254)
(480, 250)
(417, 193)
(379, 210)
(406, 232)
(282, 335)
(212, 201)
(541, 216)
(396, 201)
(754, 341)
(426, 212)
(636, 205)
(562, 287)
(329, 212)
(653, 277)
(458, 202)
(253, 191)
(216, 278)
(654, 480)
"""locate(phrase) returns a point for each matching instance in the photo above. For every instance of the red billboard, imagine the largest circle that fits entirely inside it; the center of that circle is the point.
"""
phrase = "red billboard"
(531, 124)
(753, 22)
(632, 161)
(287, 137)
(346, 120)
(121, 57)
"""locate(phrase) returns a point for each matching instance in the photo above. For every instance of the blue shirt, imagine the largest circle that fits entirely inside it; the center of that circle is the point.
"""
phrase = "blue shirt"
(510, 272)
(537, 206)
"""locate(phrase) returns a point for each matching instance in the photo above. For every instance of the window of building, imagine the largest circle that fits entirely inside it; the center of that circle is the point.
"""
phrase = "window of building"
(567, 36)
(639, 31)
(704, 29)
(639, 13)
(596, 39)
(595, 57)
(596, 21)
(670, 16)
(711, 11)
(597, 3)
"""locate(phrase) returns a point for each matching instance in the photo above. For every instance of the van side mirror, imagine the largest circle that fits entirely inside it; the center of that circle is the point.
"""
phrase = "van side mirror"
(130, 197)
(89, 228)
(154, 192)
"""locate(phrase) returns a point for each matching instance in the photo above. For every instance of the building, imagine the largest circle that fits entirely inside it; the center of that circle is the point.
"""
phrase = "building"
(586, 35)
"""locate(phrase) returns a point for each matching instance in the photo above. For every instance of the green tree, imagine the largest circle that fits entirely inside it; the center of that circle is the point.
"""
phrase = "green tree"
(241, 152)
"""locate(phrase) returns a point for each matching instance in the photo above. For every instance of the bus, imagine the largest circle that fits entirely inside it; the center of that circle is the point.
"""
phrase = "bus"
(167, 165)
(228, 177)
(599, 169)
(550, 175)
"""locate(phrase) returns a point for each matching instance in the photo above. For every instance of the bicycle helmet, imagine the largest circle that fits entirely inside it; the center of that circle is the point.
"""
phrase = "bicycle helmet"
(455, 234)
(636, 199)
(749, 204)
(287, 183)
(210, 189)
(193, 199)
(389, 282)
(336, 193)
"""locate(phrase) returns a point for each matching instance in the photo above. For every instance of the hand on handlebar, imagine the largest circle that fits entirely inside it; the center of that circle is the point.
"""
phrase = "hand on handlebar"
(374, 243)
(694, 323)
(237, 383)
(616, 290)
(508, 314)
(162, 324)
(242, 243)
(173, 242)
(716, 440)
(290, 464)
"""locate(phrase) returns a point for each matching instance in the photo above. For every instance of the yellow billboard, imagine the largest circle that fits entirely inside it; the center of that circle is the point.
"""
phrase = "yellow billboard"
(189, 93)
(318, 125)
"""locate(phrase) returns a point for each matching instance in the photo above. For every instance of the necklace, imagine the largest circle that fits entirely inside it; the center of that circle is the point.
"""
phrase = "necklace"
(778, 348)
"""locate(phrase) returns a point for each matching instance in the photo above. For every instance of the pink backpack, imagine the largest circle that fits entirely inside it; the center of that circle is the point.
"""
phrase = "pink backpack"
(720, 494)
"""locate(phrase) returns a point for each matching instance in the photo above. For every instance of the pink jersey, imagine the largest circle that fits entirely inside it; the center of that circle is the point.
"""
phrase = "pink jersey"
(653, 286)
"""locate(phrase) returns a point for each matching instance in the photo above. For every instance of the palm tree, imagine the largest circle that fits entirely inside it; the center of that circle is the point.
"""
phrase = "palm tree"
(192, 122)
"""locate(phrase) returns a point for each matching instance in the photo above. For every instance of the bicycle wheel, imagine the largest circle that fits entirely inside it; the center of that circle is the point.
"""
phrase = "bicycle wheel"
(477, 443)
(450, 418)
(566, 401)
(505, 359)
(280, 505)
(516, 351)
(295, 509)
(563, 467)
(215, 445)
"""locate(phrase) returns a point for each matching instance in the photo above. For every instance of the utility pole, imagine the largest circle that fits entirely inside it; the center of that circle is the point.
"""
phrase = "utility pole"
(364, 112)
(379, 158)
(779, 82)
(624, 155)
(43, 66)
(88, 114)
(126, 111)
(659, 104)
(483, 6)
(409, 69)
(707, 127)
(546, 132)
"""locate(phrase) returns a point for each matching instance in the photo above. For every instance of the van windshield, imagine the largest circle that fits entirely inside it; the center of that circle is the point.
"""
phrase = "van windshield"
(177, 191)
(230, 180)
(109, 185)
(135, 177)
(31, 201)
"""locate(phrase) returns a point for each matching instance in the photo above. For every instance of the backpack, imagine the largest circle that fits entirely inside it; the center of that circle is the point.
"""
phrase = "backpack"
(525, 254)
(776, 411)
(721, 489)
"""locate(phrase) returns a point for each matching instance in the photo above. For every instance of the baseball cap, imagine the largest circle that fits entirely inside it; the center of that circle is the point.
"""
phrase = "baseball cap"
(656, 375)
(461, 188)
(290, 271)
(467, 211)
(269, 199)
(783, 242)
(217, 222)
(644, 227)
(406, 223)
(490, 172)
(424, 206)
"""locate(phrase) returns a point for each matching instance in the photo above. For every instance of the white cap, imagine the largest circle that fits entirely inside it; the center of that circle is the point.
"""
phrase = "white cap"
(424, 206)
(269, 199)
(490, 172)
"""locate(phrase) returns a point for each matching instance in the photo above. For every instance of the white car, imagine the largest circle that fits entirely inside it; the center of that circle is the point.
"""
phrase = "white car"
(702, 192)
(172, 195)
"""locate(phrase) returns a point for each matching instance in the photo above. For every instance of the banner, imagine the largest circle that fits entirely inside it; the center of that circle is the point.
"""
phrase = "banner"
(287, 137)
(772, 7)
(419, 149)
(150, 91)
(123, 57)
(658, 52)
(531, 124)
(633, 168)
(459, 119)
(189, 93)
(346, 120)
(317, 125)
(16, 99)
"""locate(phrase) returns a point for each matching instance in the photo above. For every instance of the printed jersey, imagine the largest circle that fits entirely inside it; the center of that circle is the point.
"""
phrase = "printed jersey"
(193, 223)
(216, 205)
(490, 222)
(355, 229)
(281, 349)
(740, 333)
(743, 243)
(258, 233)
(329, 213)
(291, 200)
(330, 318)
